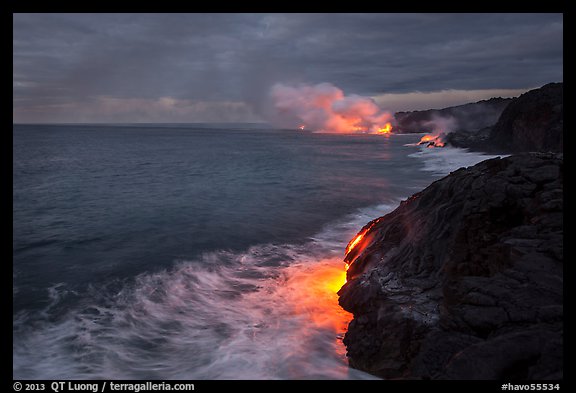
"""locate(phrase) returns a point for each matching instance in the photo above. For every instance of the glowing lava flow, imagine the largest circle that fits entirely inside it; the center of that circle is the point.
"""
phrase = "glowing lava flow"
(432, 140)
(386, 130)
(355, 241)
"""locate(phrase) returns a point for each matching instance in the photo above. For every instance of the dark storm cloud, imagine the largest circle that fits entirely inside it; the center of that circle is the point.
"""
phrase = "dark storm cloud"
(61, 59)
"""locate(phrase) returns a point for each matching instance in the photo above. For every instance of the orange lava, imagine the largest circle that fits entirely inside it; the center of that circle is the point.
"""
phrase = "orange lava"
(432, 140)
(355, 241)
(387, 129)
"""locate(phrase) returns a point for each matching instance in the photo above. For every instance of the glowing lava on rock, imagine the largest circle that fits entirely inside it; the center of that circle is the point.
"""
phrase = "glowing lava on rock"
(431, 140)
(355, 241)
(349, 255)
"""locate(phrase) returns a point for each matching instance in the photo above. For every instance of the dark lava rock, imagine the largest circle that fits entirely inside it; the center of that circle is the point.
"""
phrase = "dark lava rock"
(532, 122)
(477, 140)
(464, 279)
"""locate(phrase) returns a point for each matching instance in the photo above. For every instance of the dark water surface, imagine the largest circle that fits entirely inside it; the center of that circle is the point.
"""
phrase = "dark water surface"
(189, 252)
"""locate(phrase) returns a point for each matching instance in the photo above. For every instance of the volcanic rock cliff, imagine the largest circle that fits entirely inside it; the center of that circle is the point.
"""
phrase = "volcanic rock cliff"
(464, 279)
(531, 122)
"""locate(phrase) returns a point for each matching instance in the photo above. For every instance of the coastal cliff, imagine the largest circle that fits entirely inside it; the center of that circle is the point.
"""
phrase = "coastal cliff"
(464, 279)
(530, 122)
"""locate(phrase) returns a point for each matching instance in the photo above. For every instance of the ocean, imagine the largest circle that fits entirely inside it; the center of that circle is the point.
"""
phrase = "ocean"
(204, 251)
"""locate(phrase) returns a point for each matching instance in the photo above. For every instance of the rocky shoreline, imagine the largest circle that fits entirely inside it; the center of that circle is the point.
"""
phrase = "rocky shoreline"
(464, 279)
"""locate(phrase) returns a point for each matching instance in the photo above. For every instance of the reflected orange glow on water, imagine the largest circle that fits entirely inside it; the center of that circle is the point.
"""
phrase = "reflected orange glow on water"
(313, 294)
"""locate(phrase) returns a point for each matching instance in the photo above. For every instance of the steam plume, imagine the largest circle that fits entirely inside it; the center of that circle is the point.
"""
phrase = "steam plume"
(324, 107)
(441, 124)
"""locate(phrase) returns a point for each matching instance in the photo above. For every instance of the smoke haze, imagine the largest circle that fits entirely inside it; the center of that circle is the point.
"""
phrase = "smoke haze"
(325, 108)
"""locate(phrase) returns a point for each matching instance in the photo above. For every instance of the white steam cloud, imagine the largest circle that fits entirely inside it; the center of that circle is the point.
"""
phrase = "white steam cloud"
(440, 124)
(324, 107)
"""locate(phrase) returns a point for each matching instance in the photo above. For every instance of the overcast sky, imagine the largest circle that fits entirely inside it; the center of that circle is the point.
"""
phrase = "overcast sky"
(219, 67)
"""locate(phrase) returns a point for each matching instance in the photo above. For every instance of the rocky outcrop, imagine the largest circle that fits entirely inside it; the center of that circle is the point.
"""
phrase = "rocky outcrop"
(470, 117)
(464, 279)
(532, 122)
(477, 140)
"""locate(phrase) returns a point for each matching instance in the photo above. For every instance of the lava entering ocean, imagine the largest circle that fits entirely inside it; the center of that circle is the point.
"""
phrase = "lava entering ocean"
(432, 140)
(386, 130)
(325, 108)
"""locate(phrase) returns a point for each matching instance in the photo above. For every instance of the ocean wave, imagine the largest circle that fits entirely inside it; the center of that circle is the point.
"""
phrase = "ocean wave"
(270, 312)
(442, 161)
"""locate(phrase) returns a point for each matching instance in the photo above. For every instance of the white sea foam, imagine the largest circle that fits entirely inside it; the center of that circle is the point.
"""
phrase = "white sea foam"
(442, 161)
(270, 312)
